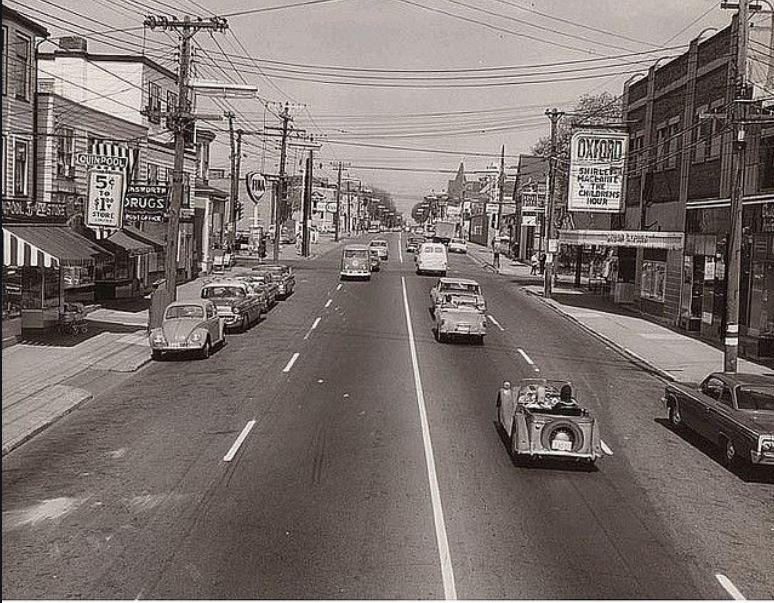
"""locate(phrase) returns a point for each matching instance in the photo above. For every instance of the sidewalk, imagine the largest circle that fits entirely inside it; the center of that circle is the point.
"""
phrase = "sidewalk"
(671, 354)
(115, 345)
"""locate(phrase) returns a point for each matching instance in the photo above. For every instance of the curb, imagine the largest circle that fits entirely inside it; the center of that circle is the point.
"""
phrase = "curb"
(15, 443)
(634, 358)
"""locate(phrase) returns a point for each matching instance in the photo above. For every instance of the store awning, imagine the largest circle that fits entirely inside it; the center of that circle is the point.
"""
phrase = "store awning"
(133, 246)
(48, 246)
(623, 238)
(145, 237)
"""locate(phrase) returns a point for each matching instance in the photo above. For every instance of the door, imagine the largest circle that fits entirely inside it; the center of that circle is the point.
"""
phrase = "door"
(718, 415)
(709, 394)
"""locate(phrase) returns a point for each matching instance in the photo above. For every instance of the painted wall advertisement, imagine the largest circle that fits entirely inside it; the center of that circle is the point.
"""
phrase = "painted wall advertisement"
(597, 163)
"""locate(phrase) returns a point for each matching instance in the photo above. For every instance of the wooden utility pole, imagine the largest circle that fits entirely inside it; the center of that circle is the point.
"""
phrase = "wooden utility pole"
(501, 190)
(307, 204)
(738, 112)
(234, 181)
(554, 116)
(349, 212)
(181, 121)
(280, 206)
(338, 206)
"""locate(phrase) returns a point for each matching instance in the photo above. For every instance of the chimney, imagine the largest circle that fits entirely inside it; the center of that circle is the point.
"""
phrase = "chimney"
(73, 44)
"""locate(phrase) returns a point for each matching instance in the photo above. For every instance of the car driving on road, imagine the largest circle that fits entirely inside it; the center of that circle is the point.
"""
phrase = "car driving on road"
(413, 243)
(734, 411)
(382, 247)
(188, 327)
(355, 262)
(457, 245)
(456, 316)
(431, 258)
(459, 286)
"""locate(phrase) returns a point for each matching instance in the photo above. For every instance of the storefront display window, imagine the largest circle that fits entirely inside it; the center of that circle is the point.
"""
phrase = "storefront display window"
(12, 293)
(653, 282)
(40, 288)
(762, 286)
(77, 276)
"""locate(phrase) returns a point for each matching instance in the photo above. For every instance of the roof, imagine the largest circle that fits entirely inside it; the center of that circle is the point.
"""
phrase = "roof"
(145, 237)
(201, 187)
(109, 58)
(11, 15)
(461, 281)
(735, 379)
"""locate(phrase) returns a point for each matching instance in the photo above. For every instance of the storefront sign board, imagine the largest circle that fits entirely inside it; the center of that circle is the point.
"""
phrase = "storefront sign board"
(623, 238)
(146, 203)
(105, 195)
(597, 162)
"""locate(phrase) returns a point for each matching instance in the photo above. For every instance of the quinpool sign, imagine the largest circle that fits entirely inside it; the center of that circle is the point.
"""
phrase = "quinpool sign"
(597, 163)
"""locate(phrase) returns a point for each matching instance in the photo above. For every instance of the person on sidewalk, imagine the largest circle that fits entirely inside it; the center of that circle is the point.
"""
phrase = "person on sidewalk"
(542, 261)
(534, 263)
(496, 255)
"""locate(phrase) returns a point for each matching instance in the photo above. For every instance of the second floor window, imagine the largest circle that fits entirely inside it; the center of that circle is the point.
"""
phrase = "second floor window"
(65, 152)
(766, 175)
(153, 173)
(20, 168)
(154, 103)
(22, 60)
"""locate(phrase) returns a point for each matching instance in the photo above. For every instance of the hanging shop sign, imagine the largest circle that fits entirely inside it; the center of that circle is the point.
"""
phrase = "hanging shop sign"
(533, 200)
(105, 193)
(623, 238)
(597, 162)
(146, 203)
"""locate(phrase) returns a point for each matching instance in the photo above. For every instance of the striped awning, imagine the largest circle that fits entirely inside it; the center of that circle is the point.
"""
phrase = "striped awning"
(48, 246)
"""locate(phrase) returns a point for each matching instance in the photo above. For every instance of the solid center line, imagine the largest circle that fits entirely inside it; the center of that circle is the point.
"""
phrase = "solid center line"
(235, 446)
(495, 323)
(605, 448)
(328, 303)
(730, 588)
(447, 573)
(339, 287)
(316, 322)
(291, 362)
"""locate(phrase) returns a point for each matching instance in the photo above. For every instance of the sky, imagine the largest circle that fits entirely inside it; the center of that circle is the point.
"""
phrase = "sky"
(420, 42)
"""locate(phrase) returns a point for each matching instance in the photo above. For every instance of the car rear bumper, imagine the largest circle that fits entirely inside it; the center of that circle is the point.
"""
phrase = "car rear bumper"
(355, 273)
(462, 331)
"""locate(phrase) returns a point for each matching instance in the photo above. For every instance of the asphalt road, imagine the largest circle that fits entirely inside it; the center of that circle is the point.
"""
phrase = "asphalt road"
(348, 484)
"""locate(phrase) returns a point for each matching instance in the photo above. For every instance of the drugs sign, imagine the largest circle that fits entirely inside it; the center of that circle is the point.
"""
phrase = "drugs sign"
(104, 205)
(597, 163)
(146, 203)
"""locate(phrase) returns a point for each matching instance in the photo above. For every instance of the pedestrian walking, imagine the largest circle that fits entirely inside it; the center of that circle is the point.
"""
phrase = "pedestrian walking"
(542, 261)
(534, 263)
(496, 255)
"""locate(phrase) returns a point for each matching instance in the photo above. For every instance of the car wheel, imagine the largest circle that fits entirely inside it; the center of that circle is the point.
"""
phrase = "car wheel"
(205, 353)
(245, 324)
(675, 416)
(730, 456)
(156, 354)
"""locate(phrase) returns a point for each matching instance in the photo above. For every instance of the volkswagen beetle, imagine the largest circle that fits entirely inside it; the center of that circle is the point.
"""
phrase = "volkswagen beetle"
(190, 326)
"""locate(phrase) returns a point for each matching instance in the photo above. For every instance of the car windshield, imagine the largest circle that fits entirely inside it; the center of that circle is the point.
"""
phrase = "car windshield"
(755, 397)
(355, 253)
(457, 241)
(378, 243)
(222, 291)
(466, 287)
(184, 312)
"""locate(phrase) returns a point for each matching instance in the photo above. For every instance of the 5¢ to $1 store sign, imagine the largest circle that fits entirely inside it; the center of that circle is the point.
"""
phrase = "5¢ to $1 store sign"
(105, 191)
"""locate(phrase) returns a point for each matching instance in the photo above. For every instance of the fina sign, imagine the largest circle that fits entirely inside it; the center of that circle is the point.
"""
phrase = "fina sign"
(256, 186)
(597, 163)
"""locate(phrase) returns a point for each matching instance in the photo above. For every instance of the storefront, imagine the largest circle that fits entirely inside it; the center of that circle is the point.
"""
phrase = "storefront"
(44, 266)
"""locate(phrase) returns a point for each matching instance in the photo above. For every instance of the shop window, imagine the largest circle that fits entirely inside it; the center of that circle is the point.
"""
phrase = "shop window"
(766, 170)
(653, 275)
(65, 153)
(12, 293)
(77, 276)
(22, 60)
(51, 288)
(20, 168)
(154, 103)
(32, 288)
(637, 152)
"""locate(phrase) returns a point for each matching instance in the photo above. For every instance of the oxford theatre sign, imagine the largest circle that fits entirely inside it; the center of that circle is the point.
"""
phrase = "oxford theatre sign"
(597, 164)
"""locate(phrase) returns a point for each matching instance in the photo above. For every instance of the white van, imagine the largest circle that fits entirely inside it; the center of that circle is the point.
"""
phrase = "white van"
(431, 258)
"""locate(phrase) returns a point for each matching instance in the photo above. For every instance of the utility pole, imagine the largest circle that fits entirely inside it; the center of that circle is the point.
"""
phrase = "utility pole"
(280, 205)
(182, 119)
(349, 212)
(307, 204)
(338, 206)
(554, 116)
(738, 111)
(236, 208)
(234, 180)
(501, 191)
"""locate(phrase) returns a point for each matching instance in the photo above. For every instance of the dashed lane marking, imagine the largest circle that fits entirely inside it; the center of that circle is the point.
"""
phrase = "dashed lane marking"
(328, 303)
(238, 442)
(316, 322)
(291, 362)
(495, 323)
(730, 588)
(447, 573)
(605, 448)
(528, 359)
(338, 288)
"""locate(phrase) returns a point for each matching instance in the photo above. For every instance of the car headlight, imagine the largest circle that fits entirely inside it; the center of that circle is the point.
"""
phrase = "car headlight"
(157, 337)
(767, 443)
(235, 310)
(196, 336)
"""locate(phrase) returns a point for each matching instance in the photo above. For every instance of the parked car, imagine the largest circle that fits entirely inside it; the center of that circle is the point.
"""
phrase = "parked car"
(262, 279)
(235, 302)
(413, 243)
(376, 263)
(382, 247)
(457, 245)
(459, 286)
(188, 327)
(542, 419)
(458, 316)
(431, 258)
(284, 277)
(734, 411)
(355, 262)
